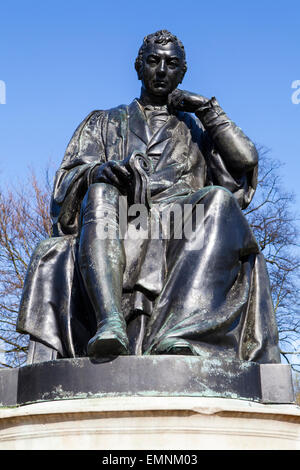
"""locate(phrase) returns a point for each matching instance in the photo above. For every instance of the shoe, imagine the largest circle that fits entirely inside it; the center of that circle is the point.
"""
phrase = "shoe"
(171, 346)
(110, 339)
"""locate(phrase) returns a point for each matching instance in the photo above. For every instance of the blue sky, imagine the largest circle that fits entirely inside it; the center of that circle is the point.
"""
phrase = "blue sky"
(62, 59)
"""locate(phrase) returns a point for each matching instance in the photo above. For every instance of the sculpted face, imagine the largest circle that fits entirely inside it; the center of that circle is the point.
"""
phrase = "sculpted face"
(162, 68)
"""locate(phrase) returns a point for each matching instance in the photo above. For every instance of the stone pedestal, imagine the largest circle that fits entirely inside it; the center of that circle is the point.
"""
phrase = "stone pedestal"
(170, 376)
(160, 423)
(148, 402)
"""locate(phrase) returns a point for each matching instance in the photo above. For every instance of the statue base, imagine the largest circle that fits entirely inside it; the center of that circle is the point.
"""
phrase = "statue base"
(150, 423)
(157, 376)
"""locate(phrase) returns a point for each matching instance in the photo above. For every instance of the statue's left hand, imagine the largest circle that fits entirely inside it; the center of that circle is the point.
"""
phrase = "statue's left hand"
(186, 101)
(114, 173)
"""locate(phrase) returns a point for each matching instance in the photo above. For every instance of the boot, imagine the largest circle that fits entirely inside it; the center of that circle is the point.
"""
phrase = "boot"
(111, 338)
(102, 262)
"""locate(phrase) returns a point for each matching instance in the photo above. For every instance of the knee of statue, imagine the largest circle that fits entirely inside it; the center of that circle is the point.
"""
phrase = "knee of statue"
(99, 192)
(221, 196)
(101, 199)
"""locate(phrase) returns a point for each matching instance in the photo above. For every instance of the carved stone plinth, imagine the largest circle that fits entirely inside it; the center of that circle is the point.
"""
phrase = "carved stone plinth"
(165, 423)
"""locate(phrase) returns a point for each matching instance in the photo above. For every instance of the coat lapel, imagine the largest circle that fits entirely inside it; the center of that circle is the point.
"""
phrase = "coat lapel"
(137, 122)
(163, 143)
(164, 133)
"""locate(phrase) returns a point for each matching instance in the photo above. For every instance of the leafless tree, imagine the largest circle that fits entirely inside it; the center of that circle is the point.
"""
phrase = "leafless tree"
(24, 221)
(273, 219)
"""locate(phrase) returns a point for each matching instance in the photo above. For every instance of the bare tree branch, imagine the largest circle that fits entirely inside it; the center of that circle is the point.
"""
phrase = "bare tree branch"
(24, 221)
(274, 223)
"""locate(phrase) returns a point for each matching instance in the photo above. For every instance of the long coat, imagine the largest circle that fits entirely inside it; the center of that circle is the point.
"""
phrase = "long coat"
(212, 297)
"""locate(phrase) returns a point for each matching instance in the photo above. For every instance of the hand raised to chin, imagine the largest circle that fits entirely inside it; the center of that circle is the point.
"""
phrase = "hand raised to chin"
(184, 100)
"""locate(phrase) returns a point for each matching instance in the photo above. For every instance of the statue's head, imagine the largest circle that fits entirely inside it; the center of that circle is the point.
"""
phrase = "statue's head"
(161, 63)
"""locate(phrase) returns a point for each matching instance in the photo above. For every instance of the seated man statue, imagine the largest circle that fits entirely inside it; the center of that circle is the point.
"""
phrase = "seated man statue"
(90, 295)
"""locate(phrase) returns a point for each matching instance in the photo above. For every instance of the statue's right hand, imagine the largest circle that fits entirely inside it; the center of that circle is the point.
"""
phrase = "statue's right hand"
(114, 173)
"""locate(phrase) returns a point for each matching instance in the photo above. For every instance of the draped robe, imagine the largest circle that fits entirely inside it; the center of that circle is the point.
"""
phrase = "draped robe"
(213, 297)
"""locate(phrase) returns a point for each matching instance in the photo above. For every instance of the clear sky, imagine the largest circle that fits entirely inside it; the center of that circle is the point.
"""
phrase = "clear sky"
(61, 59)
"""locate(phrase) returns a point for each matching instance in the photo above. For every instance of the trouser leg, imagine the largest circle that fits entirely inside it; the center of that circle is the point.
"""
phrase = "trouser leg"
(101, 262)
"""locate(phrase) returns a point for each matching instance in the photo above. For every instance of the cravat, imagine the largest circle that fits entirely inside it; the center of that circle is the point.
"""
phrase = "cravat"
(156, 116)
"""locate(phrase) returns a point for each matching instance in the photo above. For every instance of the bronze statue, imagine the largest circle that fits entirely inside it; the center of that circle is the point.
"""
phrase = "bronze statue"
(89, 295)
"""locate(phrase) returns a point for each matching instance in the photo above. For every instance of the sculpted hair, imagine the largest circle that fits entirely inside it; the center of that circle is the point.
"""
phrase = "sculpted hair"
(160, 37)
